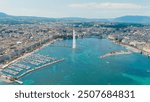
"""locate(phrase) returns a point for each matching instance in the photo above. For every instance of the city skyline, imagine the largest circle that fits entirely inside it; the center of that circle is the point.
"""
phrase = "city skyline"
(78, 8)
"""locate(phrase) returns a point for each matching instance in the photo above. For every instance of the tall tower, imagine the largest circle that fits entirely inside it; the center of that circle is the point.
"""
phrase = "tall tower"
(74, 40)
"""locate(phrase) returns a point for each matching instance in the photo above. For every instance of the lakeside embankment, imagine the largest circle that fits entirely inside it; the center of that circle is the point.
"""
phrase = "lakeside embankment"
(134, 49)
(131, 48)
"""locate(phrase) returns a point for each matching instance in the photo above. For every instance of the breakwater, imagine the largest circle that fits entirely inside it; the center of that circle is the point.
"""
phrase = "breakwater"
(113, 53)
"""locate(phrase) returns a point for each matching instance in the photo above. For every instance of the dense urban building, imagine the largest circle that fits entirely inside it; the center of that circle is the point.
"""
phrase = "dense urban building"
(18, 39)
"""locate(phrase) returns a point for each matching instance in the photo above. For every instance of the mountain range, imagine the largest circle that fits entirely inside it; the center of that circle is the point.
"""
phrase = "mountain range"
(5, 19)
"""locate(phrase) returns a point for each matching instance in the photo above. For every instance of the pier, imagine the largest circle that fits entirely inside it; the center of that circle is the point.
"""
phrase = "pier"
(18, 81)
(115, 53)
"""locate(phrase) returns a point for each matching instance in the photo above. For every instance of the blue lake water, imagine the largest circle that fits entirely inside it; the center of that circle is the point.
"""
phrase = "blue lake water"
(82, 66)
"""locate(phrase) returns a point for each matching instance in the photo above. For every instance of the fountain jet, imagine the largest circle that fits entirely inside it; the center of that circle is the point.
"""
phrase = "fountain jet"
(74, 40)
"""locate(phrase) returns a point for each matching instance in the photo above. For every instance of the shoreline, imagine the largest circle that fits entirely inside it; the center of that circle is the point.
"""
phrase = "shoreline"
(132, 48)
(28, 54)
(128, 47)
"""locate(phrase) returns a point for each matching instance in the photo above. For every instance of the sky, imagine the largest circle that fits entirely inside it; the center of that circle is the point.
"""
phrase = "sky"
(75, 8)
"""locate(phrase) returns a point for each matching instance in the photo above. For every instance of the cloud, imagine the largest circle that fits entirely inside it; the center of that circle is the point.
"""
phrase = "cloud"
(108, 5)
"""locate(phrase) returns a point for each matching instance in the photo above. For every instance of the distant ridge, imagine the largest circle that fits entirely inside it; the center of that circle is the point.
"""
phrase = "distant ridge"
(9, 19)
(3, 14)
(133, 19)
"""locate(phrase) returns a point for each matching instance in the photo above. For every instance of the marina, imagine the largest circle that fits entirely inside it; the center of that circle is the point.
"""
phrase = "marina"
(15, 68)
(37, 68)
(11, 72)
(32, 63)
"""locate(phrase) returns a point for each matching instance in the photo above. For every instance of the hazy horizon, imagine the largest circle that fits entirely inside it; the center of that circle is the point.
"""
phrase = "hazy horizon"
(76, 8)
(73, 16)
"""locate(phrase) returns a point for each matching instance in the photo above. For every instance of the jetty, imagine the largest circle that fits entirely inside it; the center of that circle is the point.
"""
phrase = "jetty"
(114, 53)
(18, 81)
